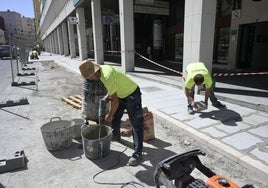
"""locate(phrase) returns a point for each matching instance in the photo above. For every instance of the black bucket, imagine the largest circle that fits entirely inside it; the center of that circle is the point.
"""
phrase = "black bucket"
(96, 141)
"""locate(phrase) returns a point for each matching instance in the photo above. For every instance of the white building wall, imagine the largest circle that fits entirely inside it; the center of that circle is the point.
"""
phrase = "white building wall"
(53, 14)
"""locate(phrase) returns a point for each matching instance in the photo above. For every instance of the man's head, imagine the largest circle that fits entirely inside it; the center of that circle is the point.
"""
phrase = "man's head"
(198, 79)
(88, 69)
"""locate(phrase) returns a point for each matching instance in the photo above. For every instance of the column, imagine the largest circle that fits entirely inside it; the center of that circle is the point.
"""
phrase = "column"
(56, 42)
(60, 42)
(97, 31)
(81, 33)
(127, 34)
(71, 39)
(199, 28)
(65, 38)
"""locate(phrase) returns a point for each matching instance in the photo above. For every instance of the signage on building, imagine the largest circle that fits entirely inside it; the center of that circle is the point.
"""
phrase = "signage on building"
(107, 20)
(236, 14)
(73, 20)
(157, 34)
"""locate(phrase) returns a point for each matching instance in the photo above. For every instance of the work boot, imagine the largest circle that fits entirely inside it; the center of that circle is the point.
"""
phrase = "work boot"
(218, 104)
(190, 110)
(135, 159)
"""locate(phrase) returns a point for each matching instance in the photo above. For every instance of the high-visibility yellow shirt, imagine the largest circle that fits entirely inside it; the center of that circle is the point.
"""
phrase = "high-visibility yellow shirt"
(197, 68)
(116, 81)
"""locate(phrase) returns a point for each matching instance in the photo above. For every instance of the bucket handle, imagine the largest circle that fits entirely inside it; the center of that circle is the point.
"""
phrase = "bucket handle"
(54, 118)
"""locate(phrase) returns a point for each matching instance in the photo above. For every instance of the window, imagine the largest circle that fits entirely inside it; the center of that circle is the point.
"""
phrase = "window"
(223, 45)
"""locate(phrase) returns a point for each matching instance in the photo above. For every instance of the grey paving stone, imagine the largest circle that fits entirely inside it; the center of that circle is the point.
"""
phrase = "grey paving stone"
(180, 116)
(242, 140)
(261, 131)
(197, 123)
(260, 154)
(255, 119)
(170, 109)
(215, 133)
(232, 126)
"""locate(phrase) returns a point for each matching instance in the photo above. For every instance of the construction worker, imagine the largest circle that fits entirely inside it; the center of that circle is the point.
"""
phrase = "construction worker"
(198, 74)
(34, 54)
(123, 94)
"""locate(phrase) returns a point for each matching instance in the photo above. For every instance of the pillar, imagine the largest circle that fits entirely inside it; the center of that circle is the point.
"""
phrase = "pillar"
(199, 28)
(65, 38)
(97, 31)
(71, 39)
(127, 34)
(81, 33)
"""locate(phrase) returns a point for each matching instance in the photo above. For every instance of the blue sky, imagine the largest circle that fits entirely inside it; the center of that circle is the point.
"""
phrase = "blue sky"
(24, 7)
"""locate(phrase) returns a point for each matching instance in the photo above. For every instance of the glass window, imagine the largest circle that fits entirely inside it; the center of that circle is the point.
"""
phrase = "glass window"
(224, 7)
(179, 47)
(223, 45)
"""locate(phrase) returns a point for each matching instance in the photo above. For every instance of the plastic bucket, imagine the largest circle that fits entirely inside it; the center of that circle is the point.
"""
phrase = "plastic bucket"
(57, 134)
(96, 141)
(76, 127)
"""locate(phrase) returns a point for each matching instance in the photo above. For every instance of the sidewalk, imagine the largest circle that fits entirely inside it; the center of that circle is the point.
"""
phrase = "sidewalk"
(240, 130)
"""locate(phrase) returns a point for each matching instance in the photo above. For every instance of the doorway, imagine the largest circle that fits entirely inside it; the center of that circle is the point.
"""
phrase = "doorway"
(253, 45)
(246, 46)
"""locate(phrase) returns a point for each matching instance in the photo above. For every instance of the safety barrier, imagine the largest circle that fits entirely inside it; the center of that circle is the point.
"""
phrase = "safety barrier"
(19, 55)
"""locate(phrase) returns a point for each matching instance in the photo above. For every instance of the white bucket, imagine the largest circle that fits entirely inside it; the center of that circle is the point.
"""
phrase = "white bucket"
(76, 127)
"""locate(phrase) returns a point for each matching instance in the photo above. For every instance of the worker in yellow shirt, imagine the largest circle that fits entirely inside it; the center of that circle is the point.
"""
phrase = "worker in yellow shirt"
(198, 74)
(34, 54)
(124, 94)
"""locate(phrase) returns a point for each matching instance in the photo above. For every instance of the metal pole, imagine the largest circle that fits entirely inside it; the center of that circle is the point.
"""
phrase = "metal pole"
(12, 74)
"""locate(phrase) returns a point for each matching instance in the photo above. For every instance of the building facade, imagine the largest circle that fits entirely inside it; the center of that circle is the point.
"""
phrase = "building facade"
(2, 31)
(224, 34)
(18, 30)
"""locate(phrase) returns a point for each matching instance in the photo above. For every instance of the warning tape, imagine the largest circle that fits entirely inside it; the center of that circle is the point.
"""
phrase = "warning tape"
(214, 74)
(180, 73)
(240, 74)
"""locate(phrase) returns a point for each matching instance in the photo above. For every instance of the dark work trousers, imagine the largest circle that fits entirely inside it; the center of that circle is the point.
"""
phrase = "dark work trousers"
(132, 104)
(212, 97)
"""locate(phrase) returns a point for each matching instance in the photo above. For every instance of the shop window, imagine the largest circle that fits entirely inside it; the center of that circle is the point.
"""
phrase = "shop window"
(224, 7)
(223, 45)
(179, 47)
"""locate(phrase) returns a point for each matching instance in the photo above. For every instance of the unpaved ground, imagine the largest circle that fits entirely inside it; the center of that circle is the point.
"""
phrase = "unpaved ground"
(20, 130)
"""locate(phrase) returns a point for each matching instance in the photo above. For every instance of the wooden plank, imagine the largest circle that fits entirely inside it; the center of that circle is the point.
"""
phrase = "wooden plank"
(75, 99)
(72, 103)
(78, 97)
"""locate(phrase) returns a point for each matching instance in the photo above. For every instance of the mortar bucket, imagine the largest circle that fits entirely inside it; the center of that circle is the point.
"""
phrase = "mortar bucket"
(57, 134)
(96, 141)
(76, 128)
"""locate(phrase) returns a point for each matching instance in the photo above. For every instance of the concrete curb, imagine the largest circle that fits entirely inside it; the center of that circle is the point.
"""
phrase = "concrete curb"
(219, 147)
